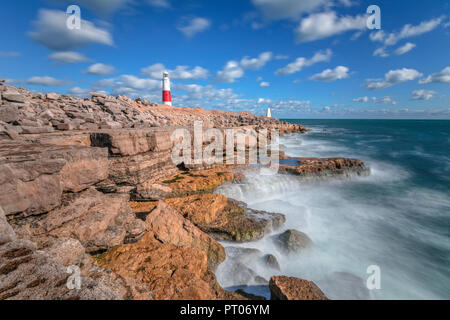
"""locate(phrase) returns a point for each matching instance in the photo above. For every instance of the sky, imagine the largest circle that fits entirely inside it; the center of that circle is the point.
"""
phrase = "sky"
(301, 58)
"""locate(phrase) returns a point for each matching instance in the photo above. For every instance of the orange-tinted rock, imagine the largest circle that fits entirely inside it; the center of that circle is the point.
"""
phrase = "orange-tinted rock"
(172, 273)
(169, 227)
(291, 288)
(324, 167)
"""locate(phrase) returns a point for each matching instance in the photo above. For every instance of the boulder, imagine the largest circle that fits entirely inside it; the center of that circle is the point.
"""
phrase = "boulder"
(292, 241)
(290, 288)
(13, 96)
(65, 251)
(9, 113)
(169, 227)
(52, 96)
(271, 261)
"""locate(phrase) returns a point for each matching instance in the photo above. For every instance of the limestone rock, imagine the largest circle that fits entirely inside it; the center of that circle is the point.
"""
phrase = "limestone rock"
(290, 288)
(26, 274)
(169, 227)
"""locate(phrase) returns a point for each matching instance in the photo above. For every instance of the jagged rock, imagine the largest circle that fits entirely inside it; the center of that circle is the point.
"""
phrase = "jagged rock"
(35, 130)
(9, 113)
(26, 273)
(292, 241)
(169, 227)
(99, 221)
(171, 272)
(323, 167)
(226, 219)
(52, 96)
(290, 288)
(65, 126)
(13, 96)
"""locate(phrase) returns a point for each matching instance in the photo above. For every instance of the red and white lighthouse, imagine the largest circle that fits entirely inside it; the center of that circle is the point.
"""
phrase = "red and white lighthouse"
(167, 99)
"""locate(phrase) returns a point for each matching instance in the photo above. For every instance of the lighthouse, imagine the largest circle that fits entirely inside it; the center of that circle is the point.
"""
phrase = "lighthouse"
(269, 114)
(166, 97)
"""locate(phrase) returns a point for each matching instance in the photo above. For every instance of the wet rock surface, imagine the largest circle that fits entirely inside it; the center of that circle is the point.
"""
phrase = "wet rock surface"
(292, 241)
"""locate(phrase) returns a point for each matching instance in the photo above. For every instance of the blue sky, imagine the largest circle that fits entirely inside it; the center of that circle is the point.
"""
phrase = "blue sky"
(302, 58)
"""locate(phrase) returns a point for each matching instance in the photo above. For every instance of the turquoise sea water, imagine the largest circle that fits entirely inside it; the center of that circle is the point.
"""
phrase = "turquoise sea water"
(398, 218)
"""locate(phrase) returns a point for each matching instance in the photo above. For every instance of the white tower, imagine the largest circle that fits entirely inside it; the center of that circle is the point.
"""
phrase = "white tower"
(269, 114)
(166, 98)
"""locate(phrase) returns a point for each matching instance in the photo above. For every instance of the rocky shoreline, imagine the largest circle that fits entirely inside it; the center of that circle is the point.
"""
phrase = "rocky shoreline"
(90, 183)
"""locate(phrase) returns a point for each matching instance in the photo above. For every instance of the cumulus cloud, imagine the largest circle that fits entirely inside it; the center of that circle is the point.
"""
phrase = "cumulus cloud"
(404, 49)
(328, 75)
(383, 100)
(300, 63)
(287, 9)
(156, 70)
(51, 31)
(322, 25)
(100, 69)
(407, 31)
(422, 94)
(46, 81)
(440, 77)
(393, 77)
(234, 70)
(194, 26)
(230, 72)
(256, 63)
(381, 52)
(264, 84)
(65, 57)
(79, 92)
(129, 85)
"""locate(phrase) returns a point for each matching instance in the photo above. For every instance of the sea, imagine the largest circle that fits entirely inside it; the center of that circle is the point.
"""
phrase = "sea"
(382, 236)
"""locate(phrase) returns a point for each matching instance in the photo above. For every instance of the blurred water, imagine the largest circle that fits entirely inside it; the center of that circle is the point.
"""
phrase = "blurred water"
(398, 218)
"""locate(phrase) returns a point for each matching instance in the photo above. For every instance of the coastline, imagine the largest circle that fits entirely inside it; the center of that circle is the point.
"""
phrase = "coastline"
(89, 183)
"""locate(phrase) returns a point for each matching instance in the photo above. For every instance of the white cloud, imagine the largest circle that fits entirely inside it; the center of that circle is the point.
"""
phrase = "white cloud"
(129, 85)
(361, 99)
(46, 81)
(194, 26)
(256, 63)
(52, 32)
(322, 25)
(328, 75)
(394, 77)
(286, 9)
(79, 92)
(65, 57)
(179, 73)
(440, 77)
(264, 84)
(301, 62)
(159, 3)
(404, 49)
(381, 52)
(230, 72)
(100, 69)
(422, 94)
(281, 57)
(407, 31)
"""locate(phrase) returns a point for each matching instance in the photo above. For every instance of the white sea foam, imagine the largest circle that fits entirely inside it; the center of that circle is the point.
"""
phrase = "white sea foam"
(353, 224)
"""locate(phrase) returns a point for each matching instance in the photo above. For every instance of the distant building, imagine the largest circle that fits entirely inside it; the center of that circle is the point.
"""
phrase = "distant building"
(269, 114)
(166, 96)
